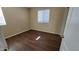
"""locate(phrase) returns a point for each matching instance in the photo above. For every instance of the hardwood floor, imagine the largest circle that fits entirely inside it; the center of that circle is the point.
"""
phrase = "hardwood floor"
(33, 40)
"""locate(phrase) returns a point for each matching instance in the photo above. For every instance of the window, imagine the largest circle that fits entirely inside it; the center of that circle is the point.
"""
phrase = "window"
(2, 20)
(43, 16)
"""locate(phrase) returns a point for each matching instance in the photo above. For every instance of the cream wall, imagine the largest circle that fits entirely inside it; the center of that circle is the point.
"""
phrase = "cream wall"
(17, 20)
(64, 20)
(22, 19)
(56, 21)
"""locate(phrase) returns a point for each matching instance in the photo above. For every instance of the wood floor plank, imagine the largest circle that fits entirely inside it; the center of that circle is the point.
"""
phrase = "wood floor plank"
(27, 41)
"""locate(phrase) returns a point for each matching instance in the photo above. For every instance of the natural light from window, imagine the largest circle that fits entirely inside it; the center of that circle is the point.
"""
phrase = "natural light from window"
(2, 20)
(38, 38)
(43, 16)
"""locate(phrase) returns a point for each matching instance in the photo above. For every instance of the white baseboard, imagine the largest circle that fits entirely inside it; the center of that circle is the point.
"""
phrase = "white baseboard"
(44, 31)
(31, 29)
(17, 33)
(49, 32)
